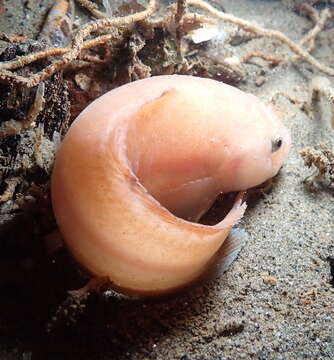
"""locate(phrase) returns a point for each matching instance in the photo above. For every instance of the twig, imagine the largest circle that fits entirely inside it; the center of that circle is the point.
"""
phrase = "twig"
(310, 11)
(21, 61)
(266, 57)
(312, 34)
(92, 7)
(181, 9)
(93, 59)
(95, 284)
(190, 21)
(76, 65)
(12, 39)
(248, 26)
(291, 98)
(37, 106)
(57, 28)
(24, 60)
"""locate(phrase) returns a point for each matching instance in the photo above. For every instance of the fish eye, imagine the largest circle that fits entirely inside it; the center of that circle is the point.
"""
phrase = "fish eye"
(276, 144)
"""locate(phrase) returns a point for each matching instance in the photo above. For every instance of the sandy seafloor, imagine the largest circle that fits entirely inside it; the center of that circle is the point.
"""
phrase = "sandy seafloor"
(239, 315)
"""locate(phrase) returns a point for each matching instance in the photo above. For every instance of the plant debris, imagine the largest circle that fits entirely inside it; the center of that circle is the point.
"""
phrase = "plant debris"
(321, 88)
(322, 159)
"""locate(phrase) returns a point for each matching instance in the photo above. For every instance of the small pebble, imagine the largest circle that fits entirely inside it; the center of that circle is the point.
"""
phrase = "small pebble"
(270, 280)
(260, 80)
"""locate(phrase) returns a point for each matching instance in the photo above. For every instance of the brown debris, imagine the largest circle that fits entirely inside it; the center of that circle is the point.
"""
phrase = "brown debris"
(322, 159)
(181, 9)
(11, 186)
(13, 127)
(290, 97)
(308, 297)
(68, 312)
(268, 279)
(35, 109)
(320, 87)
(95, 284)
(92, 8)
(150, 48)
(270, 58)
(12, 39)
(233, 327)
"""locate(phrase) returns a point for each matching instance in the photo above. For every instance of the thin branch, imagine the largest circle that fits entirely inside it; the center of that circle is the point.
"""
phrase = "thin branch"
(309, 11)
(12, 39)
(24, 60)
(35, 108)
(57, 28)
(263, 56)
(313, 33)
(92, 7)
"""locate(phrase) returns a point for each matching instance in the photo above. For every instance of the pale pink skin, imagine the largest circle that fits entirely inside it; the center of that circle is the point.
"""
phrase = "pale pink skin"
(147, 154)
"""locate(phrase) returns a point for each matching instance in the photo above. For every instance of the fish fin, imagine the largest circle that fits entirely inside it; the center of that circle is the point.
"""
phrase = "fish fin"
(230, 250)
(224, 257)
(222, 260)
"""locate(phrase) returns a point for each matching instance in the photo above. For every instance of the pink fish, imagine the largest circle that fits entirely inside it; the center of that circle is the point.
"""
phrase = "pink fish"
(144, 162)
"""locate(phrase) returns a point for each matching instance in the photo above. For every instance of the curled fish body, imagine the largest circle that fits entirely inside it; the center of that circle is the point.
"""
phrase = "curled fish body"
(142, 163)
